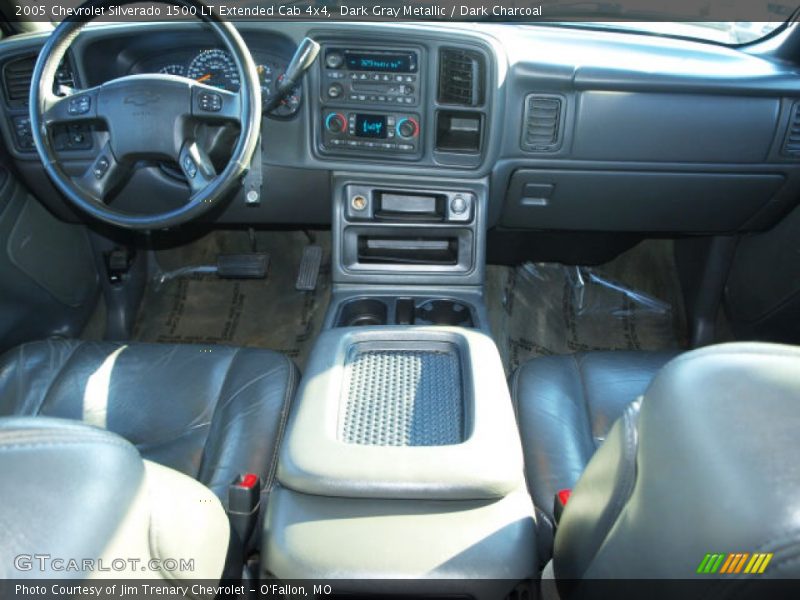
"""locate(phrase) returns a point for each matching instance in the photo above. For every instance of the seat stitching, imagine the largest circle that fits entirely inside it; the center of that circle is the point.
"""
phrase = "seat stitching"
(584, 396)
(217, 404)
(64, 443)
(56, 377)
(514, 390)
(515, 405)
(285, 408)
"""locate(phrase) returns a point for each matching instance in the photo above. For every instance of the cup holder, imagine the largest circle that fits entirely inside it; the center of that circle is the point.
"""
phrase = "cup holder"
(363, 312)
(443, 312)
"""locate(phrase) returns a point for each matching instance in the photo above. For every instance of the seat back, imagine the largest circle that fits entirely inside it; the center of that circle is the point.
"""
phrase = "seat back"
(703, 468)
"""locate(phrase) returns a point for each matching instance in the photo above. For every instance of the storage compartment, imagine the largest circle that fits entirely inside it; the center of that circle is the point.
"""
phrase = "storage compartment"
(458, 131)
(397, 412)
(408, 251)
(401, 549)
(402, 438)
(581, 200)
(398, 206)
(404, 250)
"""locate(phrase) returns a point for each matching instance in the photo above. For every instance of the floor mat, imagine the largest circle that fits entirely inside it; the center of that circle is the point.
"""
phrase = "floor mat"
(266, 313)
(631, 303)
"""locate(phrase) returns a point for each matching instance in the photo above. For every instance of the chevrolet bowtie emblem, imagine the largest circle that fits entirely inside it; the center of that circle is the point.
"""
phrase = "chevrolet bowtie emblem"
(142, 98)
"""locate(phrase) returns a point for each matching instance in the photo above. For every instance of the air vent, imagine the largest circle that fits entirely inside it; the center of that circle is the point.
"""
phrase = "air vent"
(461, 77)
(17, 76)
(791, 144)
(542, 127)
(17, 80)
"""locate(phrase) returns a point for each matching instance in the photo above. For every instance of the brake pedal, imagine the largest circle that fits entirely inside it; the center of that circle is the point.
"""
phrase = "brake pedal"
(309, 269)
(242, 266)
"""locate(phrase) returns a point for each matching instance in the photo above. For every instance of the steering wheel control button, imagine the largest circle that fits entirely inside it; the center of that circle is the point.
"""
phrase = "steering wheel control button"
(209, 101)
(100, 167)
(79, 105)
(189, 167)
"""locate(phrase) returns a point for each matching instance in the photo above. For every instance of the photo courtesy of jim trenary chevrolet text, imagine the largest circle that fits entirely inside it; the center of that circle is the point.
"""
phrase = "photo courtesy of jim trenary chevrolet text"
(404, 299)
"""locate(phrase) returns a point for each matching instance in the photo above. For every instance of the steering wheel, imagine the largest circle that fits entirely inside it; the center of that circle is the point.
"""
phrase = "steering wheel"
(148, 117)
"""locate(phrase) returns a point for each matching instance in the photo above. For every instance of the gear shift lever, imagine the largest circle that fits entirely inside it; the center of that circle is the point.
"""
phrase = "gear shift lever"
(305, 55)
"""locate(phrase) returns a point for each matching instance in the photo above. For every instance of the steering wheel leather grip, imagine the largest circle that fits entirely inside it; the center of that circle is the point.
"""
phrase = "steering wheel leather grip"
(148, 117)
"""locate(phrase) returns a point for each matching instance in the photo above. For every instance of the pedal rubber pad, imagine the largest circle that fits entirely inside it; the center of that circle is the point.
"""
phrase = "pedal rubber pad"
(242, 266)
(309, 268)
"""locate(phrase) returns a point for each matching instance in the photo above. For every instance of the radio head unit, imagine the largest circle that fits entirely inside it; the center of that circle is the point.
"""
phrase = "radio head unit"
(370, 76)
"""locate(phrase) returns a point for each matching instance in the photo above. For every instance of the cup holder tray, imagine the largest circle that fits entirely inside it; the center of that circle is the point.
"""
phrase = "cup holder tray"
(404, 311)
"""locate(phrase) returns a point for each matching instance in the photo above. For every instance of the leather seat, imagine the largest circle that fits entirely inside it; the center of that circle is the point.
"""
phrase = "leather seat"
(697, 482)
(565, 406)
(211, 412)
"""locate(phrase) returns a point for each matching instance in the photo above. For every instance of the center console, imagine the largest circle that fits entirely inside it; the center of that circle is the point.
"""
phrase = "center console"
(401, 459)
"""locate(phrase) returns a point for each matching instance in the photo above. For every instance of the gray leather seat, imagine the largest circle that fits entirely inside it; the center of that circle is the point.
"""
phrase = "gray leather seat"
(211, 412)
(697, 481)
(565, 407)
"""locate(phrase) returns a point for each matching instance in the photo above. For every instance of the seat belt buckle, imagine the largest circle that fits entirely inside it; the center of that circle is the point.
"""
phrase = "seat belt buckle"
(562, 496)
(244, 501)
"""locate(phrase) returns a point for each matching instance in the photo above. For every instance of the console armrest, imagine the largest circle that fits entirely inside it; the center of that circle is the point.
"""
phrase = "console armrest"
(403, 412)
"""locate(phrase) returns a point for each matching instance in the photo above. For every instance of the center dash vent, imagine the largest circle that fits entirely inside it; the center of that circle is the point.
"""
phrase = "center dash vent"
(461, 77)
(17, 75)
(542, 123)
(791, 144)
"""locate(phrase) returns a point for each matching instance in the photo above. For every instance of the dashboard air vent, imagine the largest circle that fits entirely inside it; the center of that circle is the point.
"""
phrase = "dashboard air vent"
(791, 144)
(17, 76)
(542, 123)
(17, 80)
(461, 77)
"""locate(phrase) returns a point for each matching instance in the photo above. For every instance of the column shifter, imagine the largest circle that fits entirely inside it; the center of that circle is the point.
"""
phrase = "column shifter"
(305, 55)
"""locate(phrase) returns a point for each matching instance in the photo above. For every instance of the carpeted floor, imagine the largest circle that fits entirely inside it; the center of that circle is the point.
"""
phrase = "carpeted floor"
(633, 302)
(267, 313)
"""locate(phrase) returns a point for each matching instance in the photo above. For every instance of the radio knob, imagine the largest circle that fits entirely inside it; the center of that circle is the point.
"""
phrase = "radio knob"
(334, 60)
(335, 122)
(407, 127)
(335, 90)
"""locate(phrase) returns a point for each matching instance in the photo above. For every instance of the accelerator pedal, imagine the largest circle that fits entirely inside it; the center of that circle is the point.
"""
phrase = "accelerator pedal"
(243, 266)
(309, 269)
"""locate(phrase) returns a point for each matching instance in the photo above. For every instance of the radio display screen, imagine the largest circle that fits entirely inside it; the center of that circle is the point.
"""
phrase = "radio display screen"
(390, 63)
(371, 126)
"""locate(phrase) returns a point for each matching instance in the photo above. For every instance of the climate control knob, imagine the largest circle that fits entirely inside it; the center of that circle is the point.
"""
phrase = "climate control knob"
(407, 127)
(335, 122)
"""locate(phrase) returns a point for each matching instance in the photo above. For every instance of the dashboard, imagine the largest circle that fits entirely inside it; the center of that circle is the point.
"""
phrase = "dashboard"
(567, 129)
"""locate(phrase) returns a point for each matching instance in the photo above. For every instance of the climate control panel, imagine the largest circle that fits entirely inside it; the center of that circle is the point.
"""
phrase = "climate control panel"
(371, 132)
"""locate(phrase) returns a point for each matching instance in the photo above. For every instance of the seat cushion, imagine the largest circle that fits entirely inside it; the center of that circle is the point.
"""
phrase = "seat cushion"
(211, 412)
(566, 405)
